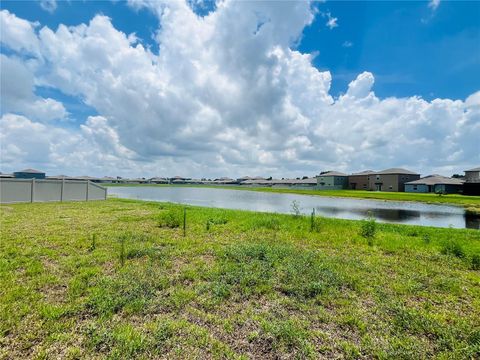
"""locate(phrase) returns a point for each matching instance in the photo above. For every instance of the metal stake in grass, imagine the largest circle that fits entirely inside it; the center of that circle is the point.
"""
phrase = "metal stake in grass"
(122, 251)
(312, 220)
(94, 242)
(184, 222)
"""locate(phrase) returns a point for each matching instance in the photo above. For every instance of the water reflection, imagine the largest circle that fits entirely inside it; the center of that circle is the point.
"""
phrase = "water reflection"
(472, 222)
(345, 208)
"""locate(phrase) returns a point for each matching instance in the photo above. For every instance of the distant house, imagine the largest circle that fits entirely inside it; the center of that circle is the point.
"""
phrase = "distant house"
(178, 180)
(435, 184)
(224, 181)
(107, 180)
(29, 174)
(158, 180)
(58, 177)
(392, 179)
(332, 180)
(248, 178)
(472, 182)
(360, 180)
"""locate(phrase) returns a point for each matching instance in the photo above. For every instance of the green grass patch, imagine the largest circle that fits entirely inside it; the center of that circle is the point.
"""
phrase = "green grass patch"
(119, 279)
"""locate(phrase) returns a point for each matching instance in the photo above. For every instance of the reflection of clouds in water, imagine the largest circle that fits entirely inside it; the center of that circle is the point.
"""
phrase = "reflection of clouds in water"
(346, 208)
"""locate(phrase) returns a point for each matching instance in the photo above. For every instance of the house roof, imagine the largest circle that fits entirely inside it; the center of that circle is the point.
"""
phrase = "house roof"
(474, 169)
(436, 180)
(397, 171)
(307, 181)
(333, 173)
(366, 172)
(30, 171)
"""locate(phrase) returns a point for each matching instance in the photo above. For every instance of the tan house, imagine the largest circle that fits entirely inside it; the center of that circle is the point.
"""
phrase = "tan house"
(392, 179)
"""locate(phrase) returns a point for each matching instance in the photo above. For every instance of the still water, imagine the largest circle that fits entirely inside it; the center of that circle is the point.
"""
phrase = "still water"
(413, 213)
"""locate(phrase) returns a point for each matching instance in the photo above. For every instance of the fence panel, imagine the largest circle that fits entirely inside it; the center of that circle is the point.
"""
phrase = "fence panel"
(15, 190)
(39, 190)
(47, 190)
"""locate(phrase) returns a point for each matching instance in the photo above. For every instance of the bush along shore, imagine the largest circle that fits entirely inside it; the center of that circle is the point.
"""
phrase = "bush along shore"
(131, 279)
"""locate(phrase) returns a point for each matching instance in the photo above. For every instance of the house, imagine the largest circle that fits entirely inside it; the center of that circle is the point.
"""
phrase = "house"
(360, 180)
(158, 180)
(178, 180)
(247, 178)
(224, 181)
(307, 182)
(392, 179)
(58, 177)
(29, 174)
(436, 184)
(332, 180)
(472, 182)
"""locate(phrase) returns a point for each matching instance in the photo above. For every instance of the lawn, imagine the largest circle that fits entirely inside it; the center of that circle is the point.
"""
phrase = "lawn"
(121, 279)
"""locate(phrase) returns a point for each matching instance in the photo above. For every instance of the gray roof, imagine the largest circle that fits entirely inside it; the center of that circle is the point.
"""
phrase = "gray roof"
(474, 169)
(333, 173)
(366, 172)
(397, 171)
(31, 171)
(436, 180)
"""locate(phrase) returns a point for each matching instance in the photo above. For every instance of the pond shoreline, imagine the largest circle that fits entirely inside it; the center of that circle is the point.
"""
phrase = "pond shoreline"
(393, 211)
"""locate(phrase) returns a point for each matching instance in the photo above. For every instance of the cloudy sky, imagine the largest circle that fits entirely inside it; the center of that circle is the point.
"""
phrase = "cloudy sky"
(202, 89)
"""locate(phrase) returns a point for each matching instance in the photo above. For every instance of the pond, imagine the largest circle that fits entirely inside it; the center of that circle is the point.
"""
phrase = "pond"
(412, 213)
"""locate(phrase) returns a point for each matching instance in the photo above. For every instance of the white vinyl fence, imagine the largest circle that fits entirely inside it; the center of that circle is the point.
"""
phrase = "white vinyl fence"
(36, 190)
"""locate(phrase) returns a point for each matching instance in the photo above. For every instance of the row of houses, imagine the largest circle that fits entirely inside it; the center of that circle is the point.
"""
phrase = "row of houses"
(392, 179)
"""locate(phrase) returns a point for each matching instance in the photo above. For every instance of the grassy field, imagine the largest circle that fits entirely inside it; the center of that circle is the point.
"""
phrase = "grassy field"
(472, 202)
(119, 279)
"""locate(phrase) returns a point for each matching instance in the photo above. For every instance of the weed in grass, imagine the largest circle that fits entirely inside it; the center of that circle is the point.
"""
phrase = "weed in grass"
(426, 238)
(295, 208)
(123, 239)
(289, 334)
(266, 221)
(152, 253)
(184, 222)
(93, 246)
(368, 229)
(128, 291)
(453, 248)
(475, 264)
(172, 218)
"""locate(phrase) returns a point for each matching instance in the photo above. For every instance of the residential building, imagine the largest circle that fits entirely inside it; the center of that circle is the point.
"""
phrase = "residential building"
(392, 179)
(29, 174)
(158, 180)
(472, 182)
(360, 180)
(332, 180)
(436, 184)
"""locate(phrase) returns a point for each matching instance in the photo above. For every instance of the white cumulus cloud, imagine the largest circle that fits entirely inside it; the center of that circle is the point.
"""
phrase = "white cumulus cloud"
(221, 97)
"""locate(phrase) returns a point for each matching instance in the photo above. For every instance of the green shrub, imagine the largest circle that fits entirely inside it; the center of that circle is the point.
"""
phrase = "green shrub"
(453, 248)
(172, 218)
(426, 238)
(475, 262)
(368, 229)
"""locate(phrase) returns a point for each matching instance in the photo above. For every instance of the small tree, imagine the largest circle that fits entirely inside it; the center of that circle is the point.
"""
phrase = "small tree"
(369, 228)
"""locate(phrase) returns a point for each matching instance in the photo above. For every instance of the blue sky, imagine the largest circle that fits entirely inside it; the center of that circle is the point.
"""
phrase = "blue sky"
(233, 75)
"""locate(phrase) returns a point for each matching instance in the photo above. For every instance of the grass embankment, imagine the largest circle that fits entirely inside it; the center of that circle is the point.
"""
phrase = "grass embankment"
(117, 279)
